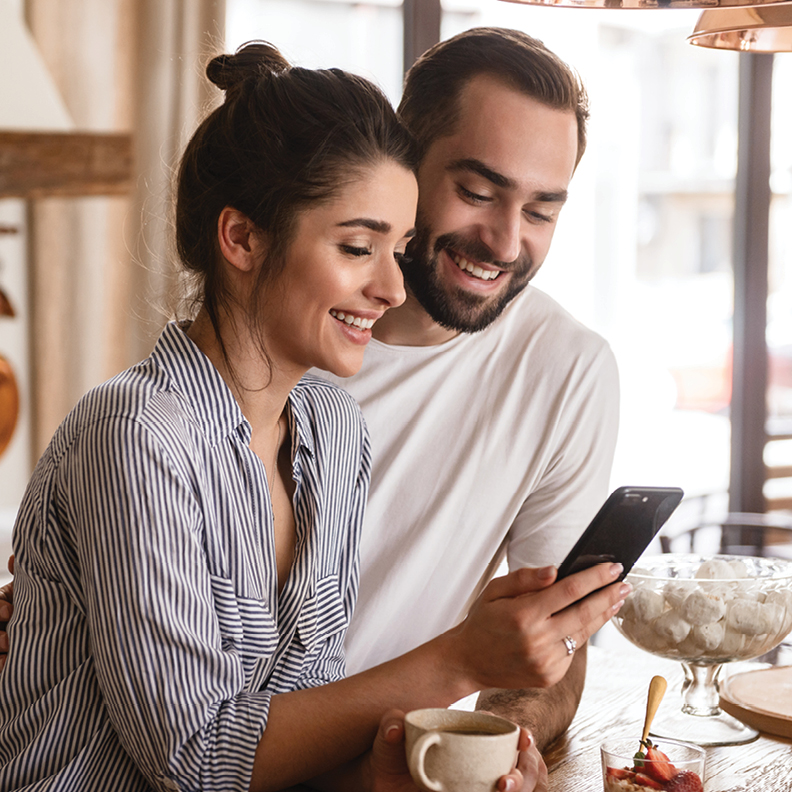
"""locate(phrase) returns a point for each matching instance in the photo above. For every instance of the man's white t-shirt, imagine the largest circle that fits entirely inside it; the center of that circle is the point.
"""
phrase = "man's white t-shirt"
(496, 441)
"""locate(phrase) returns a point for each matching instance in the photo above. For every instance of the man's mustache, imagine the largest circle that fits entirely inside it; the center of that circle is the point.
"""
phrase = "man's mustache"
(476, 250)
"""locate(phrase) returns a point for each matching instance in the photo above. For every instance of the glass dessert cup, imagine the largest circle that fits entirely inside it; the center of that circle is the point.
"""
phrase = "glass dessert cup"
(704, 612)
(618, 764)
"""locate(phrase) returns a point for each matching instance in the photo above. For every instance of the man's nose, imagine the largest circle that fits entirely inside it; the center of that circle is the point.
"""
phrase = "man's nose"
(502, 235)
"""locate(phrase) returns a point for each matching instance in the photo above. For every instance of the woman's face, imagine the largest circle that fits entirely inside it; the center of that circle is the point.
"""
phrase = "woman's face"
(341, 273)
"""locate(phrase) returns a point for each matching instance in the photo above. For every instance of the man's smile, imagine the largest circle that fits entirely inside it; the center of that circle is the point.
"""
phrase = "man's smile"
(474, 269)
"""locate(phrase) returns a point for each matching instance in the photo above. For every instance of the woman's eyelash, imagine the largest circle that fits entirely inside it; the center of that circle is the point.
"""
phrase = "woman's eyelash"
(356, 251)
(402, 258)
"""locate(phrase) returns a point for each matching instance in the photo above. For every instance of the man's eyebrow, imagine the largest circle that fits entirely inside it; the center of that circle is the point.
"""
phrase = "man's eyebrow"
(477, 166)
(499, 180)
(551, 197)
(380, 226)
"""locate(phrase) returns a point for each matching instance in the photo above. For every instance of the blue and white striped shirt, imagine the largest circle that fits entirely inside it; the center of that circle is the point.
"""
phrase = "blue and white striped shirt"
(149, 634)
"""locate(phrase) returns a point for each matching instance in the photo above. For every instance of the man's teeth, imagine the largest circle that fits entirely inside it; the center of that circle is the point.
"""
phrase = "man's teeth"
(475, 270)
(355, 321)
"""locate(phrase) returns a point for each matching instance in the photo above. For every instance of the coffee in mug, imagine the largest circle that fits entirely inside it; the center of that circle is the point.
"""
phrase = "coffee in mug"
(459, 751)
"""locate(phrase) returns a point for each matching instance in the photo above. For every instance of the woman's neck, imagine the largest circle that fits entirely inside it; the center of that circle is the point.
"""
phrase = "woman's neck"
(262, 398)
(261, 393)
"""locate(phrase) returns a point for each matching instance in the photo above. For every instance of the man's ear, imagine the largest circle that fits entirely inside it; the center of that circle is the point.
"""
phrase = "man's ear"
(240, 241)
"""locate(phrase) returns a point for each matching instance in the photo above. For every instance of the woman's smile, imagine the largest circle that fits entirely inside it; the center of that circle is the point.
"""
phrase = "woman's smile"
(341, 273)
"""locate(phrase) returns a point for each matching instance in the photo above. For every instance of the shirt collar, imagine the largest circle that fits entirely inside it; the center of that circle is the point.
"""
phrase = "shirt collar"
(209, 397)
(194, 376)
(301, 426)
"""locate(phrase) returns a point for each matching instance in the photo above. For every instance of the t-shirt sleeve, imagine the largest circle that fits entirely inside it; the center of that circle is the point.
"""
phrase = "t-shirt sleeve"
(575, 483)
(172, 679)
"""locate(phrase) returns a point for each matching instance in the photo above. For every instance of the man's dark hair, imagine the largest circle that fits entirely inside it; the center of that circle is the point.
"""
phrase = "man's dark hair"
(430, 102)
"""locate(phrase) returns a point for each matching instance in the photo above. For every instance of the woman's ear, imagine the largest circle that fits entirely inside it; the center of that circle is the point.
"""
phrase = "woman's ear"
(240, 241)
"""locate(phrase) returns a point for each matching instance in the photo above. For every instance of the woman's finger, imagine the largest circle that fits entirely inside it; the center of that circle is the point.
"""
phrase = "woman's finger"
(581, 620)
(530, 771)
(521, 581)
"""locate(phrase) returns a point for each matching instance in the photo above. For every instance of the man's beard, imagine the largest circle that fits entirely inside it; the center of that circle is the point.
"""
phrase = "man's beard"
(448, 305)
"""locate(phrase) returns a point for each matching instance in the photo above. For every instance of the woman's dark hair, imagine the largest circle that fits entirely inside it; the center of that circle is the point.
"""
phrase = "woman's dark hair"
(284, 139)
(430, 102)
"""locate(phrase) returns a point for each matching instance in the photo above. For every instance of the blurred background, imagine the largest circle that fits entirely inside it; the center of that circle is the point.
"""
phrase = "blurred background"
(642, 254)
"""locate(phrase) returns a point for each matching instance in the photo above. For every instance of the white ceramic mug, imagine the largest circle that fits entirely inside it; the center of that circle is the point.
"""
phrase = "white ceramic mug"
(459, 751)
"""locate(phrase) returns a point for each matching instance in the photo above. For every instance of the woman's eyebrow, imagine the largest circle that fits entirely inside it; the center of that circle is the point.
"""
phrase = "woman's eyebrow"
(380, 226)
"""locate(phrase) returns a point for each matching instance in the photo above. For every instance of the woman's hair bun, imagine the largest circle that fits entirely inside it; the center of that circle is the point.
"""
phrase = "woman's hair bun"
(251, 60)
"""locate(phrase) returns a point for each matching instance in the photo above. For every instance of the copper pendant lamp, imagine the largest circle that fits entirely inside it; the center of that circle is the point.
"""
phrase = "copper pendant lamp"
(765, 28)
(652, 4)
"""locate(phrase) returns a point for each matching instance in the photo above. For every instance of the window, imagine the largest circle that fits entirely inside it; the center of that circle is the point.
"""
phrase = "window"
(778, 453)
(646, 235)
(643, 249)
(361, 37)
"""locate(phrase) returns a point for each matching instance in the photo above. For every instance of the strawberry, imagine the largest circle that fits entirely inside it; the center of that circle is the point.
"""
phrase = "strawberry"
(657, 764)
(685, 781)
(620, 772)
(647, 781)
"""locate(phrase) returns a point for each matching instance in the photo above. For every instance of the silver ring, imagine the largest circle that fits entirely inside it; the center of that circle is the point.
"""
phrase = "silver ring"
(571, 644)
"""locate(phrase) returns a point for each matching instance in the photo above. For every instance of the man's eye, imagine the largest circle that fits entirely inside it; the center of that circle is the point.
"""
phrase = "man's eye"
(352, 250)
(539, 217)
(471, 196)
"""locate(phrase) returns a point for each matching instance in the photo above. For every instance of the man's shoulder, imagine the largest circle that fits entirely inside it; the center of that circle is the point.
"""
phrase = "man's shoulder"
(534, 319)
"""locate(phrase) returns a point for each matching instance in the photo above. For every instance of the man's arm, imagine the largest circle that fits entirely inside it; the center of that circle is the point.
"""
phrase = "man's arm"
(559, 507)
(545, 712)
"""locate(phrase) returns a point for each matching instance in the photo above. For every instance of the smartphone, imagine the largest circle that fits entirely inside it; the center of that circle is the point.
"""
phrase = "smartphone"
(622, 528)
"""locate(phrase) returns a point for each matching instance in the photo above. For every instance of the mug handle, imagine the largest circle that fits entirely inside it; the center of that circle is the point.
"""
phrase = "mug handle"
(417, 758)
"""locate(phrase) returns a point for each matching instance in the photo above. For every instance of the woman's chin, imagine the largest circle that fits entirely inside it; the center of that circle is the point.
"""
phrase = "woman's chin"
(343, 368)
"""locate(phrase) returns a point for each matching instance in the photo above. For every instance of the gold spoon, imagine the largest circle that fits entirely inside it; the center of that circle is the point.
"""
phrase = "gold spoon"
(657, 689)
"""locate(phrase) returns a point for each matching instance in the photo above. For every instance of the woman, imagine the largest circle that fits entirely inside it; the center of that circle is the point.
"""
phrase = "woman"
(186, 550)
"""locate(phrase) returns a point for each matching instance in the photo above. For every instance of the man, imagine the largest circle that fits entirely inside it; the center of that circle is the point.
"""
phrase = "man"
(493, 414)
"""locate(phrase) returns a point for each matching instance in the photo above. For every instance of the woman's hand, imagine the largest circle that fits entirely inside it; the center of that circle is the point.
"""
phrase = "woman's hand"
(514, 635)
(389, 772)
(530, 775)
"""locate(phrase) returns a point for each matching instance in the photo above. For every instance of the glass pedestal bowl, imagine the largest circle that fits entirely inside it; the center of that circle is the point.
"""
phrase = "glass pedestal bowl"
(704, 612)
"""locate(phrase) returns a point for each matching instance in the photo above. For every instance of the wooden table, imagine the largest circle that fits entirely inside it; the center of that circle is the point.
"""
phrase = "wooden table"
(613, 705)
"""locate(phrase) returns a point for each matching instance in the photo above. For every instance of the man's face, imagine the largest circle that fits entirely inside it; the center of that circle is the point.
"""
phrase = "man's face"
(489, 199)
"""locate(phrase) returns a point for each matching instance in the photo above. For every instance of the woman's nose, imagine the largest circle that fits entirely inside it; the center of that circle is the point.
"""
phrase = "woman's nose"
(387, 285)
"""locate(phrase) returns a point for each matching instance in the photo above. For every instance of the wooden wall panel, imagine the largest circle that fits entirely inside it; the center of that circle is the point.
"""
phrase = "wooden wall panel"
(38, 165)
(100, 267)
